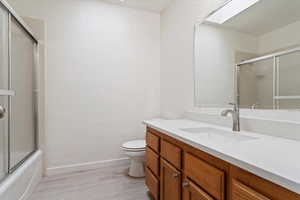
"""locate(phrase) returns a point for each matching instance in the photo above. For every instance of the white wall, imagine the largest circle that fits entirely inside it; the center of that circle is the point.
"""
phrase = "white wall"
(281, 38)
(177, 38)
(102, 78)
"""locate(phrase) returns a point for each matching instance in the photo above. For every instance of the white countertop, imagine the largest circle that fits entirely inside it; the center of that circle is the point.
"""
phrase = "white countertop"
(273, 158)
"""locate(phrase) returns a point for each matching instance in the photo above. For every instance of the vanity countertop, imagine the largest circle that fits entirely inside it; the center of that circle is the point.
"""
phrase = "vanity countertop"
(273, 158)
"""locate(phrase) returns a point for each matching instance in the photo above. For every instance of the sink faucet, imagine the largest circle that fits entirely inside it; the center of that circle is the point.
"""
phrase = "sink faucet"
(235, 112)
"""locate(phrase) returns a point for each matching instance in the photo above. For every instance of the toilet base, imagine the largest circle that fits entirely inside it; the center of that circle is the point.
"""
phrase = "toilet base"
(137, 169)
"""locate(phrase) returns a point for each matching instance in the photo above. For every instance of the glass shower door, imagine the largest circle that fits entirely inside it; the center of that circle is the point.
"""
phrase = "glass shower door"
(22, 125)
(4, 92)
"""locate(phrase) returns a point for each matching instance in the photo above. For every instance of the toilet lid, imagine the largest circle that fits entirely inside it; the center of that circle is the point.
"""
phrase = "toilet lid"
(135, 144)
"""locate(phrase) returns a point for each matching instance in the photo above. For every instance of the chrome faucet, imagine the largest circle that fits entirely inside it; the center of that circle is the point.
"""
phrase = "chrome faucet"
(235, 112)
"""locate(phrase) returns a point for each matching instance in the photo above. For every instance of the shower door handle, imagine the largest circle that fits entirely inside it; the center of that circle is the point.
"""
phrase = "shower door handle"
(8, 93)
(2, 112)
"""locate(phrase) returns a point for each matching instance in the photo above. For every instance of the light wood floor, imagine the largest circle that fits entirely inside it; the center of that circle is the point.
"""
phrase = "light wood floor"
(102, 184)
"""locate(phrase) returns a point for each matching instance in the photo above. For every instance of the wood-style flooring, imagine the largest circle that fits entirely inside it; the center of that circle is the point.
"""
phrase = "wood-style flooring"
(110, 183)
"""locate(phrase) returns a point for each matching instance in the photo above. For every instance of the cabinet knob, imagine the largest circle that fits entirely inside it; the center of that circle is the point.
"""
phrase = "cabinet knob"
(185, 184)
(175, 175)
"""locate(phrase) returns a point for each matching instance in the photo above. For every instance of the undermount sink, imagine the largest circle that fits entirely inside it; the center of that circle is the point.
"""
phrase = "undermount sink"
(219, 134)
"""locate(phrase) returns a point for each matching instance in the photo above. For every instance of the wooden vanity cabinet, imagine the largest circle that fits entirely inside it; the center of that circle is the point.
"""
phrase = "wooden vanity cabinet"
(177, 171)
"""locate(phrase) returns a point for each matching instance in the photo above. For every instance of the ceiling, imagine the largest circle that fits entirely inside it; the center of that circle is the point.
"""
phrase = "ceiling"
(266, 16)
(150, 5)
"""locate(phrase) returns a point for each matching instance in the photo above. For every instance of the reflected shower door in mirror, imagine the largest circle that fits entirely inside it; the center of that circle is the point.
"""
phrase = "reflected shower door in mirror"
(288, 81)
(256, 85)
(264, 32)
(4, 82)
(22, 126)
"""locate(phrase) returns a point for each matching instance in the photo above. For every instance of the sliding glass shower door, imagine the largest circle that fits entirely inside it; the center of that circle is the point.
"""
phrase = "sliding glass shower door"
(22, 126)
(4, 87)
(18, 53)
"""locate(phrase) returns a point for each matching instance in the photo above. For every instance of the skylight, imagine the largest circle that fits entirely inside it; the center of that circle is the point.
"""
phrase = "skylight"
(230, 10)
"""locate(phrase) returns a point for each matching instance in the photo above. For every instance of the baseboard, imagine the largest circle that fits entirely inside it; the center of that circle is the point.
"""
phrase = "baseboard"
(52, 171)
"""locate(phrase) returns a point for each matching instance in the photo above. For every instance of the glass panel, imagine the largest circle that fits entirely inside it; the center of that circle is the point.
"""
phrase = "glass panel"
(289, 70)
(22, 132)
(289, 82)
(3, 86)
(256, 85)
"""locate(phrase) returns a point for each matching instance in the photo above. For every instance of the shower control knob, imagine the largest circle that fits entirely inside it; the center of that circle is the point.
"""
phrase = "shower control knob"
(2, 112)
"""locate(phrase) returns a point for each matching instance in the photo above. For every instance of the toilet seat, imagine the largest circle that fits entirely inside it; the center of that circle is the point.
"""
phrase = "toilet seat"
(134, 146)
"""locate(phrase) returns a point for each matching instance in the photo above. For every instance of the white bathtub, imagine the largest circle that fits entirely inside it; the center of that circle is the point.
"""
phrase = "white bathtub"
(20, 184)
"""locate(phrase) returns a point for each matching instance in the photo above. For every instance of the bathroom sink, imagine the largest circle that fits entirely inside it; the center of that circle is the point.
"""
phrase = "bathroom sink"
(219, 134)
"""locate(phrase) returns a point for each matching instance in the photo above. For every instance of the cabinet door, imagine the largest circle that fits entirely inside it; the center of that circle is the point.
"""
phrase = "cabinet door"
(193, 192)
(170, 180)
(152, 184)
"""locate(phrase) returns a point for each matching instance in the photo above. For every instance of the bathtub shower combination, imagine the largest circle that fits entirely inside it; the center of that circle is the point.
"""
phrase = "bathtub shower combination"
(18, 94)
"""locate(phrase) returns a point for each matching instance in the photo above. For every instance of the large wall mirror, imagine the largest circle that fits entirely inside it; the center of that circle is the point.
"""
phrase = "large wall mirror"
(262, 37)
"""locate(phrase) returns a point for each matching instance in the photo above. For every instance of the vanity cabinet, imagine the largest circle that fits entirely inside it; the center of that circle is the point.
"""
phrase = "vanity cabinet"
(177, 171)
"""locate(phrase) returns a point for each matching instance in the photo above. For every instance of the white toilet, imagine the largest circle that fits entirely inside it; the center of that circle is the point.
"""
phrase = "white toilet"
(136, 151)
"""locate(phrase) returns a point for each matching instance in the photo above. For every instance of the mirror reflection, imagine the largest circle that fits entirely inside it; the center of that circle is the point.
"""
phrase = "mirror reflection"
(261, 36)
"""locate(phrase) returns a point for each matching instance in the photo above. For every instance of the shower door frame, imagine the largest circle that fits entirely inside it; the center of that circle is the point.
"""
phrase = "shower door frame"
(10, 93)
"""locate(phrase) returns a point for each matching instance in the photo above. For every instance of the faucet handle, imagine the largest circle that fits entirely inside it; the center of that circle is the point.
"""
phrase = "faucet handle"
(233, 104)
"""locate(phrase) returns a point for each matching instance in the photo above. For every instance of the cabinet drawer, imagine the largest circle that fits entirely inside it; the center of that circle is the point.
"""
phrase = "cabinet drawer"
(211, 179)
(243, 192)
(152, 184)
(171, 153)
(152, 161)
(152, 141)
(191, 191)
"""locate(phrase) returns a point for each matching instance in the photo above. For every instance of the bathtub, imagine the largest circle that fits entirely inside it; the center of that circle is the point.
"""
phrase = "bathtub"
(20, 184)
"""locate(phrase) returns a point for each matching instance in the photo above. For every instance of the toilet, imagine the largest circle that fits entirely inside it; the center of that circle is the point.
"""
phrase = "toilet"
(135, 150)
